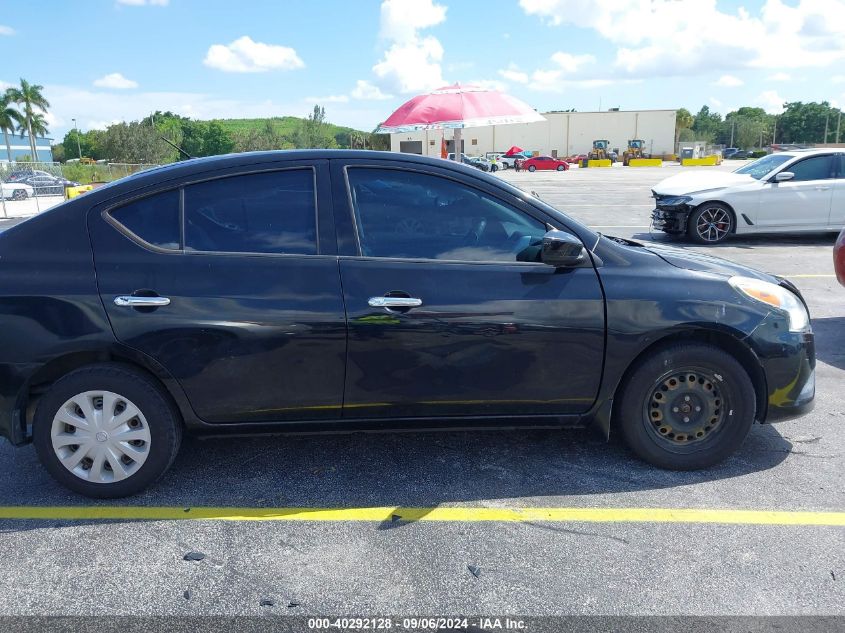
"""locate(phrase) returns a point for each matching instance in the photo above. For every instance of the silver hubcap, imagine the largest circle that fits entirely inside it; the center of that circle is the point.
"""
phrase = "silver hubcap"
(100, 437)
(713, 224)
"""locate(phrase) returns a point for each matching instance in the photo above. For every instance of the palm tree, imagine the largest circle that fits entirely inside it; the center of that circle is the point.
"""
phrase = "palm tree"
(30, 98)
(9, 119)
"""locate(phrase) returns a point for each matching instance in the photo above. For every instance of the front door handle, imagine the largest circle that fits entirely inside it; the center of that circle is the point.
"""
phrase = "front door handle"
(129, 301)
(394, 302)
(822, 188)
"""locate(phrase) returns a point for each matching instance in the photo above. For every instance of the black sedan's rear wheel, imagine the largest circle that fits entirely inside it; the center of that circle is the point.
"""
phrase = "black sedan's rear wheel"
(711, 223)
(106, 431)
(686, 407)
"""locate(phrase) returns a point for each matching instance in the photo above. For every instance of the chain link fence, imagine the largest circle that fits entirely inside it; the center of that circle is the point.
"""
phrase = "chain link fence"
(29, 188)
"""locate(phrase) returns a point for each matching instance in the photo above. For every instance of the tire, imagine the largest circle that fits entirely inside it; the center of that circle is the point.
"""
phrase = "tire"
(660, 422)
(561, 168)
(20, 194)
(156, 430)
(710, 223)
(532, 168)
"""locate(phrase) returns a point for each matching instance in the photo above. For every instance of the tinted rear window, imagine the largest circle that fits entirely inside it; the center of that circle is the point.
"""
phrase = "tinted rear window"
(271, 212)
(154, 219)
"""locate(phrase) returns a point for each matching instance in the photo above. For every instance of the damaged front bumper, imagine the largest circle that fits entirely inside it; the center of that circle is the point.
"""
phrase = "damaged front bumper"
(670, 213)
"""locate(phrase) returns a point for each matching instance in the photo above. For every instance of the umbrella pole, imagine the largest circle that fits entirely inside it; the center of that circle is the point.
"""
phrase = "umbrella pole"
(457, 143)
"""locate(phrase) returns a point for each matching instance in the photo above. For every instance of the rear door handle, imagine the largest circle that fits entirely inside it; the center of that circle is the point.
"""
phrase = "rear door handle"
(129, 301)
(394, 302)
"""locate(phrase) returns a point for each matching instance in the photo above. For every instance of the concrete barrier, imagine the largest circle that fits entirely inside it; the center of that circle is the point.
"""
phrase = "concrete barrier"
(707, 160)
(72, 192)
(645, 162)
(603, 162)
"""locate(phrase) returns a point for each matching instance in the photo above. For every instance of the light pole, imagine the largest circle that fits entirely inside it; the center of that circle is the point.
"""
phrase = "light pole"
(78, 146)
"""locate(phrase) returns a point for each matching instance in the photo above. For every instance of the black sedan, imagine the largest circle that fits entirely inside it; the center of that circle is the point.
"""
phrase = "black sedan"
(347, 290)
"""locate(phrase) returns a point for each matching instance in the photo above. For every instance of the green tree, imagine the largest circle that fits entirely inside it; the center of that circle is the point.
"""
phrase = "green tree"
(216, 140)
(683, 121)
(10, 118)
(707, 125)
(313, 132)
(29, 97)
(136, 142)
(807, 122)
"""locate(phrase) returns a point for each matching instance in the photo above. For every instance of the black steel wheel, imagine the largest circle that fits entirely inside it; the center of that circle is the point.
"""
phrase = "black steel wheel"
(711, 223)
(687, 406)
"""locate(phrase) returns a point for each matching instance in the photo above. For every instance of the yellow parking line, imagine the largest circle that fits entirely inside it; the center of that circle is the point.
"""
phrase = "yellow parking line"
(442, 514)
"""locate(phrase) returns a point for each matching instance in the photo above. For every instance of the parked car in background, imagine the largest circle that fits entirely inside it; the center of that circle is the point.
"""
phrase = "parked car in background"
(576, 160)
(729, 151)
(786, 192)
(42, 182)
(740, 154)
(205, 297)
(472, 161)
(16, 191)
(509, 162)
(547, 163)
(839, 257)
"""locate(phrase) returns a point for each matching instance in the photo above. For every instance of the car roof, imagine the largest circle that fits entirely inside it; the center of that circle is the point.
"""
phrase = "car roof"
(810, 151)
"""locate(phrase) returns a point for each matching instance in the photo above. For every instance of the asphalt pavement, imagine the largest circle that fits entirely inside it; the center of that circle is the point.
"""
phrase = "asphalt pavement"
(434, 551)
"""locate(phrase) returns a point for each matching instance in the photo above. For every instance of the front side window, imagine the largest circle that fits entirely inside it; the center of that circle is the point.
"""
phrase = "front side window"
(272, 212)
(154, 219)
(763, 166)
(815, 168)
(409, 214)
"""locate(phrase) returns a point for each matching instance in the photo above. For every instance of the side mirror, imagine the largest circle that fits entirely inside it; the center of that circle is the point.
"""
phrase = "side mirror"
(561, 249)
(783, 176)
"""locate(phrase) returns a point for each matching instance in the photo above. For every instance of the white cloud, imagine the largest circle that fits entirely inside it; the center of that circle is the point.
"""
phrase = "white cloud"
(683, 37)
(570, 63)
(6, 30)
(366, 91)
(328, 99)
(728, 81)
(771, 101)
(401, 19)
(715, 102)
(411, 62)
(245, 55)
(780, 77)
(116, 81)
(489, 84)
(142, 3)
(514, 74)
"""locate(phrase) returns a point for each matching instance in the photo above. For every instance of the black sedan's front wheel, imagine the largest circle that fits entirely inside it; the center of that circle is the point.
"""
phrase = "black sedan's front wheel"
(686, 407)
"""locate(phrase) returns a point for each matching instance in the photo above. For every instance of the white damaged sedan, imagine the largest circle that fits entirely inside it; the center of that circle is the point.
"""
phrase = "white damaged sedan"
(789, 192)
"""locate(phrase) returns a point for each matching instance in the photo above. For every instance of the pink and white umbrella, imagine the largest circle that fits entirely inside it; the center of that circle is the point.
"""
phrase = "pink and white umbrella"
(456, 107)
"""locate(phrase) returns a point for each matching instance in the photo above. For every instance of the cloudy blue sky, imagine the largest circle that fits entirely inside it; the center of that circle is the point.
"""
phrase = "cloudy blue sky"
(109, 60)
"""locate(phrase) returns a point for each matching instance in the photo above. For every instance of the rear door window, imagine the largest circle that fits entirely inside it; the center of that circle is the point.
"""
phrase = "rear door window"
(153, 219)
(272, 212)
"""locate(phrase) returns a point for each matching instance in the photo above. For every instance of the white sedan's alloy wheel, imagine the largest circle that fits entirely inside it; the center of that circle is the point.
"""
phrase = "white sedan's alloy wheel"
(100, 436)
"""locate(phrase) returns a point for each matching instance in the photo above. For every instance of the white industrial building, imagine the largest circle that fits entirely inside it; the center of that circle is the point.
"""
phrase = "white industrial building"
(561, 134)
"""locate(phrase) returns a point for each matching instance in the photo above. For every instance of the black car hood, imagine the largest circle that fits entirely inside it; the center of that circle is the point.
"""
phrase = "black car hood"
(692, 260)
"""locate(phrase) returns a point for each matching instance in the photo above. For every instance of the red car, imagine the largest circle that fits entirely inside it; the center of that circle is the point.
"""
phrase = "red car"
(576, 160)
(545, 162)
(839, 257)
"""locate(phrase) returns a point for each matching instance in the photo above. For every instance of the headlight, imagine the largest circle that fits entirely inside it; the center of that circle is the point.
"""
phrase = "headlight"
(775, 296)
(672, 201)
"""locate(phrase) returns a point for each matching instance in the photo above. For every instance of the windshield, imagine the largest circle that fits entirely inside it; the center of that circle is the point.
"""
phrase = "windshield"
(760, 168)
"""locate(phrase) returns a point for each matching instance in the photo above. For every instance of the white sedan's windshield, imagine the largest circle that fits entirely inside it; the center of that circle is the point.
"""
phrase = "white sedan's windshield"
(760, 168)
